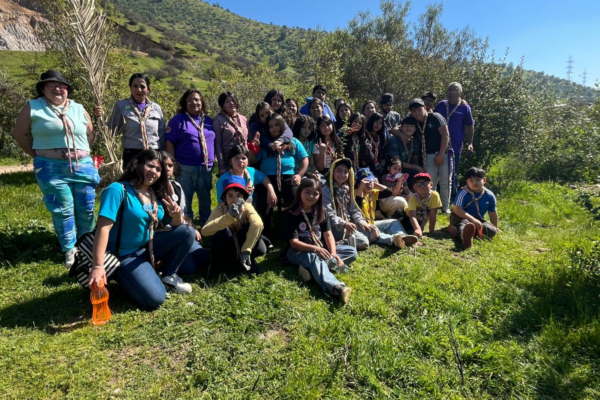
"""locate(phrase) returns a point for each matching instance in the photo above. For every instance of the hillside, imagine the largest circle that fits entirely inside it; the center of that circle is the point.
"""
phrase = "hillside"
(210, 29)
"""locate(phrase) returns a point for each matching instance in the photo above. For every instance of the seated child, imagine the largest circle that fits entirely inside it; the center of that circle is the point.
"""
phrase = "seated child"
(343, 213)
(397, 181)
(470, 206)
(384, 231)
(236, 228)
(423, 205)
(198, 258)
(311, 244)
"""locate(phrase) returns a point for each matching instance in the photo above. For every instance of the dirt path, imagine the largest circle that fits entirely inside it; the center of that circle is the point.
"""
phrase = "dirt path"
(15, 168)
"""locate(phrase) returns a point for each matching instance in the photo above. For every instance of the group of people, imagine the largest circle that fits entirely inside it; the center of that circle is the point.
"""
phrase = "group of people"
(343, 180)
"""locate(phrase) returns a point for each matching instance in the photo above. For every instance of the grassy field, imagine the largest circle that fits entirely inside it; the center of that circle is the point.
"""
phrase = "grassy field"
(513, 318)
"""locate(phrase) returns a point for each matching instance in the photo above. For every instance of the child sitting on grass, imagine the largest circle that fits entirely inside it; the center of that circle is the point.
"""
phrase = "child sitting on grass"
(396, 181)
(470, 206)
(423, 205)
(387, 231)
(311, 244)
(236, 227)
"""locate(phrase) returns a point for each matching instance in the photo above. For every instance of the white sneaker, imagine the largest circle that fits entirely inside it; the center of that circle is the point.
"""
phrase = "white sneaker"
(176, 284)
(70, 257)
(304, 273)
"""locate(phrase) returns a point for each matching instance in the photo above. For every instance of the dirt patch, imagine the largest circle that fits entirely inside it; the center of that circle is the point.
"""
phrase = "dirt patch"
(276, 332)
(9, 169)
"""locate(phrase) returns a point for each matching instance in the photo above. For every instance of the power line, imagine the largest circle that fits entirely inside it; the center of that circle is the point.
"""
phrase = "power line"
(584, 76)
(569, 68)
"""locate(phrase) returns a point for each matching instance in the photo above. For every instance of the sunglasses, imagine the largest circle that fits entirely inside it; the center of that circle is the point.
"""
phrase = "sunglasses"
(422, 184)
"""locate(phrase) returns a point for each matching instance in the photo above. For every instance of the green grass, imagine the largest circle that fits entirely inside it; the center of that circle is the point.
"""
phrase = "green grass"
(523, 311)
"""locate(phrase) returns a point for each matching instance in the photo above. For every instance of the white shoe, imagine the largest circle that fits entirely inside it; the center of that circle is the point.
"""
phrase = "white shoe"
(304, 274)
(176, 284)
(70, 257)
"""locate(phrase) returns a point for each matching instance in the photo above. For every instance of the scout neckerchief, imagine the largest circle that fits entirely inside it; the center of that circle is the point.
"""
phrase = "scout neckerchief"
(370, 211)
(355, 150)
(423, 146)
(152, 210)
(238, 134)
(283, 148)
(142, 117)
(201, 137)
(69, 133)
(423, 205)
(474, 200)
(448, 112)
(409, 158)
(313, 234)
(375, 145)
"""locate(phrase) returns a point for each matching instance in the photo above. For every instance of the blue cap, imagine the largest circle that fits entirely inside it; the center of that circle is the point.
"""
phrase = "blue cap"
(364, 173)
(234, 181)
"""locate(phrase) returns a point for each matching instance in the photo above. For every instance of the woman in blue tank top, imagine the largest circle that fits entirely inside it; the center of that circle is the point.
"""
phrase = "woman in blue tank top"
(58, 133)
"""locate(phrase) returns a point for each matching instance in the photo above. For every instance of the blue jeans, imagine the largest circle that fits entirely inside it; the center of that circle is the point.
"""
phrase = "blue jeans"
(455, 175)
(196, 179)
(136, 275)
(319, 269)
(362, 241)
(70, 197)
(197, 259)
(387, 229)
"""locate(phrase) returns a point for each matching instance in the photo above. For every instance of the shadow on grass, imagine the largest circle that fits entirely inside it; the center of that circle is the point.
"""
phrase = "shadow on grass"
(560, 309)
(18, 179)
(28, 245)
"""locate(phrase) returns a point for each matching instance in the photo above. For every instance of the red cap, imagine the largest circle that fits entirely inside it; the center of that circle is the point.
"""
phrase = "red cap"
(422, 175)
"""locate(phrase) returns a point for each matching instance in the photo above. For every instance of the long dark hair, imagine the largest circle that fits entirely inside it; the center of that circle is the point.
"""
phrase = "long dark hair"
(300, 121)
(134, 171)
(336, 140)
(381, 132)
(235, 151)
(141, 76)
(280, 121)
(183, 101)
(296, 206)
(167, 156)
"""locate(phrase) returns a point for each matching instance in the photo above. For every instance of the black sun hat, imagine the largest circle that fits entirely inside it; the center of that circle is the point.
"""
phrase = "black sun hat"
(51, 76)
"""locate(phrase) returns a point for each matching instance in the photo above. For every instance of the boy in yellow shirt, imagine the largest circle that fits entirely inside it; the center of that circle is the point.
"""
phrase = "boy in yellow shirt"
(423, 205)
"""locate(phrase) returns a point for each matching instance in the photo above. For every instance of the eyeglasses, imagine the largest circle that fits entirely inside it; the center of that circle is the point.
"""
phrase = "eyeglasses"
(422, 184)
(59, 86)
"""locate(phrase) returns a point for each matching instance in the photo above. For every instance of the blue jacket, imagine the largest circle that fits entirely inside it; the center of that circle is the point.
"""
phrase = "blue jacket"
(326, 109)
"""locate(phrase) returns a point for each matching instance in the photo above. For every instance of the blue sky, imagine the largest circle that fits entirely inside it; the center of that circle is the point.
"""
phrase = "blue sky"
(546, 33)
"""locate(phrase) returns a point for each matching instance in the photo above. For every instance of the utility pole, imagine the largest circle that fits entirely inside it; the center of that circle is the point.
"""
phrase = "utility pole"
(569, 68)
(584, 76)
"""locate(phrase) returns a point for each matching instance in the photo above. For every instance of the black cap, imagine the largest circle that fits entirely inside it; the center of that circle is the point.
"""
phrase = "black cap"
(386, 98)
(415, 102)
(50, 76)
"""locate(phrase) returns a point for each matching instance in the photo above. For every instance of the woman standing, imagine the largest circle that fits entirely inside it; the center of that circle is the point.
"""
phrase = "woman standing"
(191, 140)
(230, 129)
(58, 133)
(139, 120)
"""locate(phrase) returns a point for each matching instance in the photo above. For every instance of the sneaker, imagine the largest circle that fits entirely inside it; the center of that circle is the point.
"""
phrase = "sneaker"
(304, 274)
(70, 257)
(399, 241)
(467, 235)
(410, 240)
(176, 284)
(342, 292)
(446, 211)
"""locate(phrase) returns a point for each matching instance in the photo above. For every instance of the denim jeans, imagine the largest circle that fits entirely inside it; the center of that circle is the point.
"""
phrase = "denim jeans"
(443, 174)
(455, 175)
(197, 259)
(319, 269)
(69, 196)
(136, 275)
(362, 241)
(196, 179)
(387, 229)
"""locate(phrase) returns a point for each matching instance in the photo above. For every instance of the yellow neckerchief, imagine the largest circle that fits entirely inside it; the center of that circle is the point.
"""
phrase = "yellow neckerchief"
(369, 205)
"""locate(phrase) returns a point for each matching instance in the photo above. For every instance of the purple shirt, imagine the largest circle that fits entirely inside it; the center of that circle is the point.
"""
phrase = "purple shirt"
(184, 136)
(458, 120)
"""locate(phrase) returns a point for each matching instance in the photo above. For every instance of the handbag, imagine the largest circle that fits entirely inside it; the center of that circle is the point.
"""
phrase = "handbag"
(82, 267)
